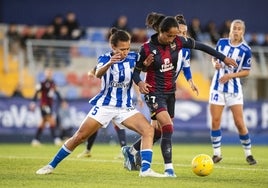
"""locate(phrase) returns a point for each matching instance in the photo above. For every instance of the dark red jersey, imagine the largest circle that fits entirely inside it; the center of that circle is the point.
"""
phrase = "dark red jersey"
(47, 93)
(161, 74)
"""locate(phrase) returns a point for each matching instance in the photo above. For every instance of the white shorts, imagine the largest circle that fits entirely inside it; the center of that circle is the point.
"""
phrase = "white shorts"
(105, 114)
(226, 99)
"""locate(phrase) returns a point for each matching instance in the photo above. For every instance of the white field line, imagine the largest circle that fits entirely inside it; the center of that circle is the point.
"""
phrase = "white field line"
(250, 168)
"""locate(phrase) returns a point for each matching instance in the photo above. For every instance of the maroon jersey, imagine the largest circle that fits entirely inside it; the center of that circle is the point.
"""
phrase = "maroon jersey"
(48, 92)
(161, 74)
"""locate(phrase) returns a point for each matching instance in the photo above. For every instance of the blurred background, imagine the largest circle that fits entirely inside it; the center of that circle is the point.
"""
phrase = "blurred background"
(70, 35)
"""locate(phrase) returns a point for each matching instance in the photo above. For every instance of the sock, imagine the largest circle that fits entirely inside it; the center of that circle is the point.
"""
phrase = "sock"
(38, 133)
(169, 166)
(215, 136)
(246, 144)
(166, 145)
(137, 145)
(121, 134)
(91, 140)
(52, 132)
(62, 153)
(146, 159)
(133, 151)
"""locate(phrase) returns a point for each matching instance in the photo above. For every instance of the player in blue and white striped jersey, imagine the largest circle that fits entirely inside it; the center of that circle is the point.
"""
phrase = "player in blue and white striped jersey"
(226, 89)
(113, 103)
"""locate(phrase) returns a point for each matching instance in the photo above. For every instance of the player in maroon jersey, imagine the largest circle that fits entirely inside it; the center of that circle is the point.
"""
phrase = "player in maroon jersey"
(159, 57)
(46, 92)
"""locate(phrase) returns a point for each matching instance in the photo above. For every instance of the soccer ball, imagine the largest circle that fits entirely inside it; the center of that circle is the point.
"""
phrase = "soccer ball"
(202, 165)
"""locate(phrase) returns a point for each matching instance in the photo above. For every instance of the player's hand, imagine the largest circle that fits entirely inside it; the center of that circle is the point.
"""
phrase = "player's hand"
(230, 62)
(225, 78)
(115, 58)
(195, 89)
(144, 87)
(148, 61)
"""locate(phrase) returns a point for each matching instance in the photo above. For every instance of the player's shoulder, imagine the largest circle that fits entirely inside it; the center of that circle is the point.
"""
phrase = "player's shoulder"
(245, 46)
(132, 55)
(104, 57)
(223, 40)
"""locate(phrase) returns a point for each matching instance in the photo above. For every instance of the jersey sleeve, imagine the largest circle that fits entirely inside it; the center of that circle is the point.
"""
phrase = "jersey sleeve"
(192, 44)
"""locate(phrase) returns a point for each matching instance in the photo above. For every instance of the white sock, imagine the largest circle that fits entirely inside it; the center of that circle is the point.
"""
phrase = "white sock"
(169, 166)
(217, 151)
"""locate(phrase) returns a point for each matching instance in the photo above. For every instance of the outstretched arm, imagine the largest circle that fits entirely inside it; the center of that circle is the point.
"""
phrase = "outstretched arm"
(191, 43)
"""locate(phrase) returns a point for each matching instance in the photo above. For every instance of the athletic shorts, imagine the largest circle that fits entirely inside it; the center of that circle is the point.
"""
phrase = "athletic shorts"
(105, 114)
(160, 102)
(46, 110)
(225, 99)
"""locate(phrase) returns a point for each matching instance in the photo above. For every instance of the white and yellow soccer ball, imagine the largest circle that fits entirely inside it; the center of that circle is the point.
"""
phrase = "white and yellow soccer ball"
(202, 165)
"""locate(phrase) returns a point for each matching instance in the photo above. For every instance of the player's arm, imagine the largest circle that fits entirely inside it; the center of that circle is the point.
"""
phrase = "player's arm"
(188, 76)
(103, 67)
(192, 44)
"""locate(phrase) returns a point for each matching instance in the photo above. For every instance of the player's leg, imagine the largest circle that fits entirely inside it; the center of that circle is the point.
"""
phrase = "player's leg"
(52, 126)
(38, 133)
(87, 128)
(89, 144)
(244, 137)
(166, 123)
(139, 123)
(215, 133)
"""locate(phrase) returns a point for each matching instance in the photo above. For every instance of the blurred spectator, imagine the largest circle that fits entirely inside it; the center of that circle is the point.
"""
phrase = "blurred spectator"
(14, 39)
(265, 42)
(72, 23)
(195, 30)
(28, 32)
(64, 121)
(57, 23)
(225, 29)
(121, 23)
(253, 40)
(211, 29)
(62, 54)
(48, 51)
(139, 35)
(18, 91)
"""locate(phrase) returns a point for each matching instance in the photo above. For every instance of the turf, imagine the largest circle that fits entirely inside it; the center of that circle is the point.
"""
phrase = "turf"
(19, 162)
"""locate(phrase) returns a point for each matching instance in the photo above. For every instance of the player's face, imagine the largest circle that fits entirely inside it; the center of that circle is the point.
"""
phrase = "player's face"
(167, 38)
(237, 31)
(122, 48)
(182, 30)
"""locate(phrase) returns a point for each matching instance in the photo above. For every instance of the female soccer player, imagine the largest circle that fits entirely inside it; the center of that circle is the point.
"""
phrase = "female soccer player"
(226, 89)
(47, 91)
(159, 85)
(183, 65)
(114, 102)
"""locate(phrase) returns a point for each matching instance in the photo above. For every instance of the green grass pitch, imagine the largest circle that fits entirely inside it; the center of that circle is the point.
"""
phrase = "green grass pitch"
(18, 163)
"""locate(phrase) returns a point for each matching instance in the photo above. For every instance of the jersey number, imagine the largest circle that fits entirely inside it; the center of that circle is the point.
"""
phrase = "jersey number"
(95, 110)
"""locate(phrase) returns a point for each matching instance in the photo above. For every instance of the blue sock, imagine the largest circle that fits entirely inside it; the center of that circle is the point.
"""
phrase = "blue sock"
(146, 159)
(245, 141)
(62, 153)
(216, 138)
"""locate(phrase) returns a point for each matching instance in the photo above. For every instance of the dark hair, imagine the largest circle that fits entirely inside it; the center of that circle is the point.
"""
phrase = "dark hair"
(180, 19)
(153, 20)
(118, 35)
(167, 23)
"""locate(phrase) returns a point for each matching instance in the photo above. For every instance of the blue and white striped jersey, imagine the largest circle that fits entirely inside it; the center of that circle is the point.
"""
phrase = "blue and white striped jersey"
(184, 63)
(116, 83)
(242, 55)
